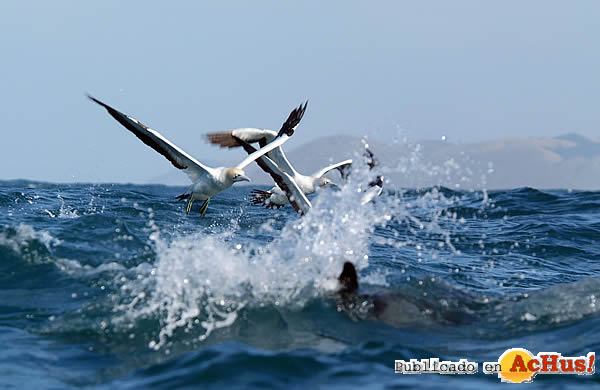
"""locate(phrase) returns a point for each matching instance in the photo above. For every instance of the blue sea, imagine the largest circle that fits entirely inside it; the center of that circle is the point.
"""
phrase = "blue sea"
(110, 286)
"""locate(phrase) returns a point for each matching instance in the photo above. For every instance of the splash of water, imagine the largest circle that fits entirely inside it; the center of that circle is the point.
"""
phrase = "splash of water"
(23, 235)
(202, 281)
(66, 211)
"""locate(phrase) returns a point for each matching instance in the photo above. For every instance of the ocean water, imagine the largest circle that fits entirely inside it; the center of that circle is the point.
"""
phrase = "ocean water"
(113, 286)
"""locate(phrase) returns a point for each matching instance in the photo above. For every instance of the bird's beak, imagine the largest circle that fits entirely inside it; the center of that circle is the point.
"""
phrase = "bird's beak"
(330, 184)
(243, 178)
(334, 186)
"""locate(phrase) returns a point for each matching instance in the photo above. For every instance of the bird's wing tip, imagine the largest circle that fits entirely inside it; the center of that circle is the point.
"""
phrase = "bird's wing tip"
(96, 100)
(293, 120)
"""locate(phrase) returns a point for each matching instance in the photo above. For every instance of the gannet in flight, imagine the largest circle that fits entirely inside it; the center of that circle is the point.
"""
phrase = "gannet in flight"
(275, 197)
(291, 190)
(207, 181)
(285, 182)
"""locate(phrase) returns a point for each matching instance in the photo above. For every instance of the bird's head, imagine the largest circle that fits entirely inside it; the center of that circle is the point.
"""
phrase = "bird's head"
(235, 175)
(324, 182)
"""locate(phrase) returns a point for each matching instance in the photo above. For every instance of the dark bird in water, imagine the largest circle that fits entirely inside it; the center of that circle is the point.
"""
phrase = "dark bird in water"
(396, 307)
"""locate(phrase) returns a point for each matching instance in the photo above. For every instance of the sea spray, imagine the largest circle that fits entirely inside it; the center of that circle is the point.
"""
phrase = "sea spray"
(202, 281)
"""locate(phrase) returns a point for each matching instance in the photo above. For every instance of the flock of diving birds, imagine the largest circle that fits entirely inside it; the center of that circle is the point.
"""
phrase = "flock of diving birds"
(290, 185)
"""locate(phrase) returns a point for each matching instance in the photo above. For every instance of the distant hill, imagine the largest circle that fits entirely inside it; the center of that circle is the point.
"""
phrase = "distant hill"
(566, 161)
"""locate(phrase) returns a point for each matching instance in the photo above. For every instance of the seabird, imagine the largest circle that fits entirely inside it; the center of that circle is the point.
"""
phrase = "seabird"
(275, 197)
(375, 187)
(285, 182)
(207, 181)
(291, 190)
(399, 307)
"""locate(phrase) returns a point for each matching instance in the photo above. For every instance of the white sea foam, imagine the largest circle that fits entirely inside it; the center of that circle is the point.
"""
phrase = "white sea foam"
(75, 267)
(202, 280)
(23, 235)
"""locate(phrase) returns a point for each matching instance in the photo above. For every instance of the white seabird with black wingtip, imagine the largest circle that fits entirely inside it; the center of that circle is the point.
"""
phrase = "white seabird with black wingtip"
(285, 182)
(207, 181)
(276, 197)
(292, 191)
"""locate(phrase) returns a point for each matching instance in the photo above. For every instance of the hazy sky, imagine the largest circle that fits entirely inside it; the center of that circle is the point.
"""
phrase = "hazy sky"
(468, 70)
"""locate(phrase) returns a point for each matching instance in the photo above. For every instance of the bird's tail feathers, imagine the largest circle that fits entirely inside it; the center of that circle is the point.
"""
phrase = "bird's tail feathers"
(262, 198)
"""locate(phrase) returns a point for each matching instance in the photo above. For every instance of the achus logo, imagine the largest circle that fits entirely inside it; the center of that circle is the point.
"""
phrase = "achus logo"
(518, 365)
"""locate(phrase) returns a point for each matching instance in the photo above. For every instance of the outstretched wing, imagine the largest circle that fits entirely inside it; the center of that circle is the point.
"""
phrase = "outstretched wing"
(293, 120)
(287, 130)
(280, 140)
(294, 194)
(228, 139)
(158, 142)
(340, 166)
